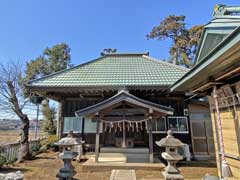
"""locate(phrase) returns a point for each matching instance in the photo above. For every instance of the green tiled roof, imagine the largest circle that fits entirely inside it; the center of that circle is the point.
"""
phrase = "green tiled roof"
(115, 70)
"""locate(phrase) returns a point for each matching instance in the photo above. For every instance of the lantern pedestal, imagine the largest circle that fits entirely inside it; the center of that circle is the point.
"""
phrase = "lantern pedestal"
(171, 172)
(171, 156)
(67, 144)
(67, 172)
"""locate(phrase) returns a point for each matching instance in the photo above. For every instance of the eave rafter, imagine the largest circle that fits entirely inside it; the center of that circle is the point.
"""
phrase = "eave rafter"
(110, 108)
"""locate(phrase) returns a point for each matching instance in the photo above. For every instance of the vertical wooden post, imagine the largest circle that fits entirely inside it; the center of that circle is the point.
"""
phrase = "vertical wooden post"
(150, 137)
(82, 130)
(124, 136)
(97, 141)
(123, 128)
(60, 122)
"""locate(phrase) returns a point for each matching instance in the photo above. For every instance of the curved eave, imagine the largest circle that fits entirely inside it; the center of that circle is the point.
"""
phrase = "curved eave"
(66, 89)
(127, 97)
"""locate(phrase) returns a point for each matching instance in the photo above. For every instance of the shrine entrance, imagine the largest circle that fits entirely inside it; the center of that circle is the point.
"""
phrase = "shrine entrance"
(125, 126)
(126, 121)
(136, 135)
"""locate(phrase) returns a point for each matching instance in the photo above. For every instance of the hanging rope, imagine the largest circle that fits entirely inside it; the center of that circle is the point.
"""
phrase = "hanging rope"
(128, 126)
(120, 127)
(123, 120)
(131, 125)
(141, 126)
(146, 125)
(225, 170)
(136, 126)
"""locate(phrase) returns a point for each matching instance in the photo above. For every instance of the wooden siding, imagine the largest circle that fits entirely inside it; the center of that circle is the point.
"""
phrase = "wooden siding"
(231, 144)
(229, 133)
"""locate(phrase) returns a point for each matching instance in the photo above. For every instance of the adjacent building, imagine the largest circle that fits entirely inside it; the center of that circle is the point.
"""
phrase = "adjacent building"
(217, 75)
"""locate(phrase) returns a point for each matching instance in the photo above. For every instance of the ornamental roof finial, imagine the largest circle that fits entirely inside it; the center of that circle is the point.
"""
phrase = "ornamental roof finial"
(221, 10)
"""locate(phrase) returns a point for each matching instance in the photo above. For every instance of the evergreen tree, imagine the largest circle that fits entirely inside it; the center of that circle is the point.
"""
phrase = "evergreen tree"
(184, 41)
(53, 59)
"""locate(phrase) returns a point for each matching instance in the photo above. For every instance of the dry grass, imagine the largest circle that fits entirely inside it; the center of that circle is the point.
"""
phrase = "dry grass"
(14, 136)
(188, 172)
(46, 166)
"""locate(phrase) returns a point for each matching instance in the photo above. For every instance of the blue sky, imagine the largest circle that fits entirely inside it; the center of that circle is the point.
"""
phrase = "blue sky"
(29, 26)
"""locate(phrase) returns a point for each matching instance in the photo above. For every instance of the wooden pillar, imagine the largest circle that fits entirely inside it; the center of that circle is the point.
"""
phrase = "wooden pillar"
(150, 139)
(124, 136)
(60, 122)
(82, 130)
(123, 128)
(97, 141)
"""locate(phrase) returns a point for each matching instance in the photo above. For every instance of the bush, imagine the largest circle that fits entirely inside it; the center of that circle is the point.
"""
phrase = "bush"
(8, 162)
(49, 143)
(2, 160)
(35, 149)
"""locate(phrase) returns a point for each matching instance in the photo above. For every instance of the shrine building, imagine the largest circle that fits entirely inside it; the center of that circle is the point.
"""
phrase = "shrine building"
(122, 101)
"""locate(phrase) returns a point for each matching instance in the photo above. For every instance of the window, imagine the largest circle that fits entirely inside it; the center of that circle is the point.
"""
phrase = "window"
(90, 126)
(211, 41)
(178, 124)
(72, 124)
(159, 125)
(211, 38)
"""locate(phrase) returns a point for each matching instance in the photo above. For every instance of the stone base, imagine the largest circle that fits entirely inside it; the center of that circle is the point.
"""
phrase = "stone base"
(172, 176)
(65, 174)
(12, 176)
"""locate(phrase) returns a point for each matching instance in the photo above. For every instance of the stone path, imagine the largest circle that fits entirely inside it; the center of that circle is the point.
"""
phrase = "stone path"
(123, 175)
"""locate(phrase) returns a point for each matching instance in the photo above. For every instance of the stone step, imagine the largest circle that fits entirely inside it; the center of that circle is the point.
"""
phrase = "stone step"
(124, 150)
(124, 157)
(91, 166)
(123, 174)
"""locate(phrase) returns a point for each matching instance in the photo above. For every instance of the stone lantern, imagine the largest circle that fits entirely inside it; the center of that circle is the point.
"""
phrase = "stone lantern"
(67, 155)
(171, 156)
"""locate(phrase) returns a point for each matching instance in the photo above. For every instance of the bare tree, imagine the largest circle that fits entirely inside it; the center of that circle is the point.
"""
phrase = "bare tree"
(13, 101)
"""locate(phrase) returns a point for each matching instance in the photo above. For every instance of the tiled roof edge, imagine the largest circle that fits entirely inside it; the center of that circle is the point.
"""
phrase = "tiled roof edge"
(167, 64)
(127, 54)
(65, 70)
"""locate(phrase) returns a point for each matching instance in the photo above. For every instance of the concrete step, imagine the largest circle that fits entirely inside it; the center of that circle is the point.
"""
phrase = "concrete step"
(112, 157)
(123, 174)
(137, 158)
(124, 150)
(124, 157)
(90, 166)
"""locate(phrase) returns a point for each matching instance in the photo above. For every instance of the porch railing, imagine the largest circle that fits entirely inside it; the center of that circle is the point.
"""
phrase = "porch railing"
(10, 150)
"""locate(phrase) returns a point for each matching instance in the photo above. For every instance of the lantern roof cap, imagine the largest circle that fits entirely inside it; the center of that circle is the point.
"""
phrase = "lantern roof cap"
(169, 141)
(67, 141)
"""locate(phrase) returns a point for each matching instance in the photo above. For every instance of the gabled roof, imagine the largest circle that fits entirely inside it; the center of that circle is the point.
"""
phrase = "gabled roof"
(124, 96)
(214, 33)
(220, 58)
(114, 70)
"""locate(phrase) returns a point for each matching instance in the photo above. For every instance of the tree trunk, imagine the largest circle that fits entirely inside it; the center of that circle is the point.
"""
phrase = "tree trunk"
(24, 152)
(49, 114)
